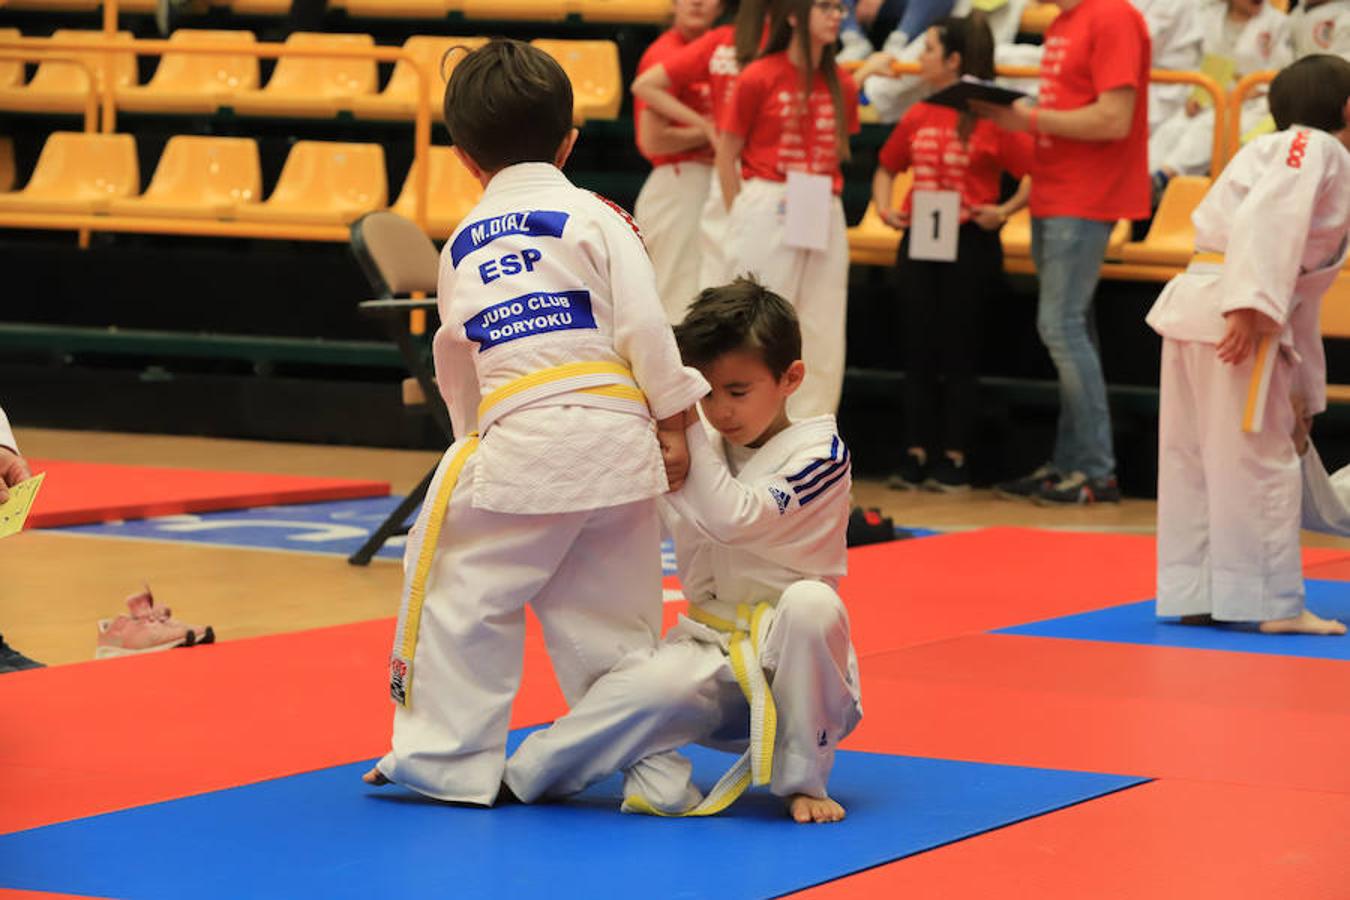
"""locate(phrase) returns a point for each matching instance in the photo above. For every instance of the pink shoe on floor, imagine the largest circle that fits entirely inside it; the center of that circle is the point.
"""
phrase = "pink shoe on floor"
(148, 628)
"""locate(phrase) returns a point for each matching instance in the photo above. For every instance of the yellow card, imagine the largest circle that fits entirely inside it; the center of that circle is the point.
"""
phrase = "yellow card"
(1222, 69)
(989, 5)
(14, 511)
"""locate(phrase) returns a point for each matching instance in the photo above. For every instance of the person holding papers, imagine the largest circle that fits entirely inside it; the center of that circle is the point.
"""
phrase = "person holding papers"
(950, 256)
(1091, 170)
(783, 136)
(13, 469)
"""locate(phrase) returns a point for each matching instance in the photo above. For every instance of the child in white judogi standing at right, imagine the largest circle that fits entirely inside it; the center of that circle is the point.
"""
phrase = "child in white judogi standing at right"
(763, 664)
(1241, 335)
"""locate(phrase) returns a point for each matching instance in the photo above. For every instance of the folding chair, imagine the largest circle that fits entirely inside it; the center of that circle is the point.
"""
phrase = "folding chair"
(399, 259)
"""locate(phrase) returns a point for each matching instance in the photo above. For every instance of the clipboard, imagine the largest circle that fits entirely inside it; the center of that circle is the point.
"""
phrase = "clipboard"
(959, 95)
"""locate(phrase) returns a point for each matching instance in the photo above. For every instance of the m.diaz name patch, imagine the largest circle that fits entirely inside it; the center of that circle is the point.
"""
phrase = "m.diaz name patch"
(530, 314)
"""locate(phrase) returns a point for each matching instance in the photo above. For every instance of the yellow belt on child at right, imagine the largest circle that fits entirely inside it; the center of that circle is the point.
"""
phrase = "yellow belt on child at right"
(755, 765)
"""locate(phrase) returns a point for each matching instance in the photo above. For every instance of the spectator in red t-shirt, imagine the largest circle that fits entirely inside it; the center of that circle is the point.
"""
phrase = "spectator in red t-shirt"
(791, 115)
(715, 59)
(948, 151)
(1091, 169)
(670, 203)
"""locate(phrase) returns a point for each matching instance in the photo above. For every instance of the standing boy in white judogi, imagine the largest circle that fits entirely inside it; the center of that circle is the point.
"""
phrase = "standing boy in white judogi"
(763, 664)
(555, 359)
(1241, 334)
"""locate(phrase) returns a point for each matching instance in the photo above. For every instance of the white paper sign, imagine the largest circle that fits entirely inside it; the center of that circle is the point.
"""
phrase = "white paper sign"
(934, 224)
(807, 221)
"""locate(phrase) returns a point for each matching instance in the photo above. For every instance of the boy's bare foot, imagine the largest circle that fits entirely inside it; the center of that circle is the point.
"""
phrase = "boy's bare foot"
(806, 809)
(1305, 622)
(1198, 619)
(375, 778)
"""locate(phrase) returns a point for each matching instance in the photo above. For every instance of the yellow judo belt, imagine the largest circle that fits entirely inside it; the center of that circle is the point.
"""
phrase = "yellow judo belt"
(525, 387)
(1258, 388)
(756, 763)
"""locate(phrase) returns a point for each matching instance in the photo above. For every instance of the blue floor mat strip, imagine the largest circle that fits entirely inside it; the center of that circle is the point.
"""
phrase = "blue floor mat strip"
(324, 834)
(1137, 623)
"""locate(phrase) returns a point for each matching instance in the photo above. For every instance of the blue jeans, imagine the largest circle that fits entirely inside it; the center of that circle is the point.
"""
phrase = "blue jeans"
(913, 17)
(1068, 253)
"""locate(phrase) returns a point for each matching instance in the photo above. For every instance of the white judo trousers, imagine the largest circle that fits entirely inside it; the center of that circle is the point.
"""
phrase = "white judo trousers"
(685, 692)
(1229, 502)
(815, 282)
(715, 264)
(579, 571)
(669, 210)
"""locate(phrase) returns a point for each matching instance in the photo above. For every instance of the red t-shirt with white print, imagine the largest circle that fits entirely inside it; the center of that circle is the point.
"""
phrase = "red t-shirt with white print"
(928, 141)
(781, 133)
(697, 95)
(709, 59)
(1094, 47)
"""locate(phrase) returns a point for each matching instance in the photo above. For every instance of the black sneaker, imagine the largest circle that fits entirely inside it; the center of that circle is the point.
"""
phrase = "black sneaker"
(911, 474)
(949, 476)
(1077, 488)
(1027, 486)
(12, 660)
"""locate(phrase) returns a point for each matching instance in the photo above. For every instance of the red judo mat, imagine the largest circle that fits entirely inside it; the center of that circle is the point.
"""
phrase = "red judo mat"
(97, 737)
(1201, 841)
(1162, 712)
(919, 591)
(78, 493)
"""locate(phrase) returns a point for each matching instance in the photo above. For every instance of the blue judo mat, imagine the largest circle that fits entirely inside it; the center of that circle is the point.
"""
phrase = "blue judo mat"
(324, 834)
(1137, 623)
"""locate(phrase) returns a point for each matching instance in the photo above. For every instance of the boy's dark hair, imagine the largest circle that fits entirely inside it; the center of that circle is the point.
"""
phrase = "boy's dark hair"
(1311, 92)
(743, 315)
(508, 103)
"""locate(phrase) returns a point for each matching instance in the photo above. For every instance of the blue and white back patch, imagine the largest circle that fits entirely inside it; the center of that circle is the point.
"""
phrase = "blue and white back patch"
(530, 314)
(532, 223)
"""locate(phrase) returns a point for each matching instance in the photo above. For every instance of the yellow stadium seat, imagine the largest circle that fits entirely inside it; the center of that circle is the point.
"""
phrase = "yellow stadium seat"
(451, 193)
(398, 100)
(642, 12)
(78, 173)
(259, 7)
(6, 164)
(1016, 235)
(62, 86)
(194, 82)
(324, 184)
(1171, 237)
(11, 70)
(530, 10)
(199, 178)
(872, 242)
(55, 5)
(593, 66)
(1037, 17)
(313, 86)
(398, 9)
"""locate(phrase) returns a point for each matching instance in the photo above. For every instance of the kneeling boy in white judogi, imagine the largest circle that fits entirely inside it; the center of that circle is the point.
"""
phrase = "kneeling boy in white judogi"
(763, 664)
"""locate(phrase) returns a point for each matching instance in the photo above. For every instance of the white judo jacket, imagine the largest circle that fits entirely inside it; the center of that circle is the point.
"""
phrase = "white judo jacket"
(1262, 44)
(744, 533)
(1279, 214)
(543, 275)
(1325, 29)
